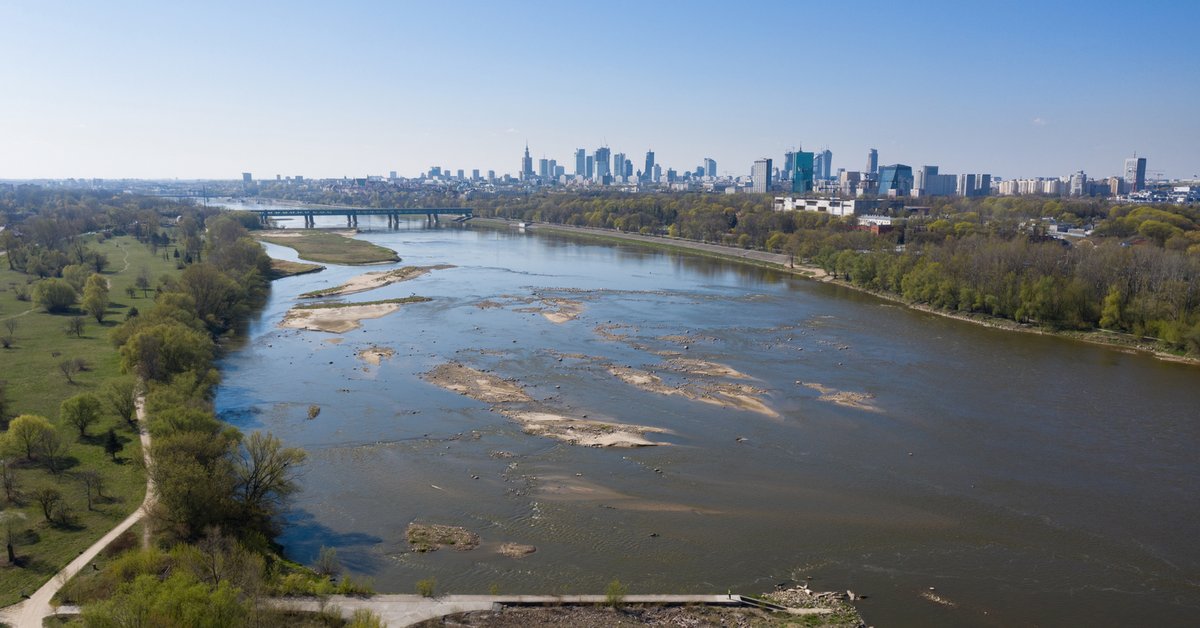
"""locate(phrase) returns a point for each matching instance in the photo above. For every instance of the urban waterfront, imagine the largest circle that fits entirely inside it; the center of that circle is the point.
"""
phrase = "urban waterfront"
(1026, 479)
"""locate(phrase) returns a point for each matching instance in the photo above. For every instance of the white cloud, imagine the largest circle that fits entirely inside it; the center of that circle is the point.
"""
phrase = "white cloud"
(1039, 121)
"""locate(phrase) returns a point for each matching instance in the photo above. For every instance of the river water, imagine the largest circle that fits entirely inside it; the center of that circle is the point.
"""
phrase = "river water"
(1025, 479)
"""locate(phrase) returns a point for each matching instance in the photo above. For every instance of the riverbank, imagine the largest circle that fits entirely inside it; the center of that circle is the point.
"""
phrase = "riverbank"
(785, 263)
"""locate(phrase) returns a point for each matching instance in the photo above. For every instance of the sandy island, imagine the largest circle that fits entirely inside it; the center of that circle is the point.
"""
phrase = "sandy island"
(375, 355)
(842, 397)
(488, 388)
(724, 394)
(335, 320)
(373, 280)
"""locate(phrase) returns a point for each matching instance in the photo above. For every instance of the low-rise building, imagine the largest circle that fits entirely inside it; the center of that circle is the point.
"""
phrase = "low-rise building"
(832, 206)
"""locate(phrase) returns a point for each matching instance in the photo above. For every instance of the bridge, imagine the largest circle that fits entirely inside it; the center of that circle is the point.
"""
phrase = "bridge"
(394, 214)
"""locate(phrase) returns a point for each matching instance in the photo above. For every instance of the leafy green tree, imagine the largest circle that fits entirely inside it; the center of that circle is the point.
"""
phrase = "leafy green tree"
(265, 475)
(159, 351)
(55, 295)
(95, 297)
(112, 444)
(25, 432)
(178, 600)
(81, 411)
(1110, 314)
(119, 394)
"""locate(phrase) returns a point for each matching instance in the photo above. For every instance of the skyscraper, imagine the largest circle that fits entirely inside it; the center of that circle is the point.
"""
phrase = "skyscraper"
(710, 167)
(896, 180)
(648, 173)
(581, 168)
(872, 162)
(760, 176)
(589, 166)
(526, 165)
(802, 172)
(789, 164)
(619, 165)
(603, 164)
(544, 168)
(824, 168)
(1135, 173)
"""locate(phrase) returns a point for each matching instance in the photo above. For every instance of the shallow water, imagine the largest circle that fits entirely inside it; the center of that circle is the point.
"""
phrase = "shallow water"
(1028, 479)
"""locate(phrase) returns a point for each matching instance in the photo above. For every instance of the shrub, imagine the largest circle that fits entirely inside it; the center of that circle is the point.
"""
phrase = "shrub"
(614, 593)
(426, 587)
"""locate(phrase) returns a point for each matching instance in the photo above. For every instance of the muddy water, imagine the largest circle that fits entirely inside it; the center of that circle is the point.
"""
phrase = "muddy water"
(1027, 479)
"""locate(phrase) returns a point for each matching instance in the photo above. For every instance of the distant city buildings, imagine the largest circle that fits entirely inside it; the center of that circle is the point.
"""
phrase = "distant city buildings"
(895, 180)
(760, 176)
(1135, 174)
(872, 162)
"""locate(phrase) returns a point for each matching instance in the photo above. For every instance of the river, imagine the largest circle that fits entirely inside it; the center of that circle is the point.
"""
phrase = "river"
(970, 476)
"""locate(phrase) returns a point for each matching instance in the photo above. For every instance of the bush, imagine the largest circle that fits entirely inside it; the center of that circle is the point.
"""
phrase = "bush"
(426, 587)
(614, 593)
(56, 295)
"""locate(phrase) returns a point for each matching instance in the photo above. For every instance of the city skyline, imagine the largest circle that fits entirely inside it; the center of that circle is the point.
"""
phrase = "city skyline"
(126, 91)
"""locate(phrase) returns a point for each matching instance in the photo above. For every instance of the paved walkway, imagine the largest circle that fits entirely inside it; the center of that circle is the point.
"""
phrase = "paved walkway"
(30, 613)
(406, 610)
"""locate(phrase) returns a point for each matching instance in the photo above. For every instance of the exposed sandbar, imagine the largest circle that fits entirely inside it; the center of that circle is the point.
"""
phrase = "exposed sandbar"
(373, 280)
(335, 320)
(475, 384)
(844, 398)
(375, 354)
(583, 432)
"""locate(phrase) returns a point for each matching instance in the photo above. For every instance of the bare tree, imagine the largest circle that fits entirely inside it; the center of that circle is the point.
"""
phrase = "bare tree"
(47, 498)
(75, 326)
(69, 368)
(10, 333)
(8, 477)
(92, 482)
(52, 446)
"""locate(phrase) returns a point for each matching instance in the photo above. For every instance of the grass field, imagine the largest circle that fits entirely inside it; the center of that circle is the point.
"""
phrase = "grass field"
(35, 385)
(281, 268)
(330, 248)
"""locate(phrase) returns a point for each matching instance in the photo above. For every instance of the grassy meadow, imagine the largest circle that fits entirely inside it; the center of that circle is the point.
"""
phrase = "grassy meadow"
(35, 384)
(329, 247)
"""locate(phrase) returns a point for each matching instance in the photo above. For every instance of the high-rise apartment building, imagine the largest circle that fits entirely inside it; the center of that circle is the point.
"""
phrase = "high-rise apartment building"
(1135, 173)
(710, 167)
(581, 163)
(760, 176)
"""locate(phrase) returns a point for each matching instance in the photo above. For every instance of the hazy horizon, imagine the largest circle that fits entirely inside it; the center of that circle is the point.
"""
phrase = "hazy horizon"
(207, 92)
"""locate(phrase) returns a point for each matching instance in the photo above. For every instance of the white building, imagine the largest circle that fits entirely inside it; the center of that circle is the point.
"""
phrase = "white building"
(832, 206)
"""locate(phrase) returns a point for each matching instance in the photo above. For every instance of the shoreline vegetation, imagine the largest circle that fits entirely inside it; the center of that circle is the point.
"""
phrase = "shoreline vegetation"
(784, 263)
(281, 268)
(329, 247)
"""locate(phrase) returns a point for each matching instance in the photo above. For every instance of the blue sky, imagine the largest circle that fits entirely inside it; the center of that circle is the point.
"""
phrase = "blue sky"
(211, 89)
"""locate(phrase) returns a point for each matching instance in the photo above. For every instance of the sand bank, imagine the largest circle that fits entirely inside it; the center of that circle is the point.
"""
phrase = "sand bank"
(842, 397)
(373, 280)
(583, 432)
(475, 384)
(375, 355)
(335, 320)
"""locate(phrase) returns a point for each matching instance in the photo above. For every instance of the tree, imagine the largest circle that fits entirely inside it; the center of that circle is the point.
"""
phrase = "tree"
(143, 281)
(8, 477)
(10, 333)
(81, 411)
(327, 562)
(91, 481)
(112, 444)
(131, 292)
(52, 448)
(119, 394)
(69, 368)
(48, 498)
(4, 401)
(265, 474)
(25, 432)
(75, 326)
(95, 297)
(157, 352)
(10, 517)
(55, 295)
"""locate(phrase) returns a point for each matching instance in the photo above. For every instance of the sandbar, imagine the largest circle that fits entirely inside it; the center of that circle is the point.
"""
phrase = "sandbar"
(583, 432)
(375, 354)
(475, 384)
(373, 280)
(843, 398)
(335, 320)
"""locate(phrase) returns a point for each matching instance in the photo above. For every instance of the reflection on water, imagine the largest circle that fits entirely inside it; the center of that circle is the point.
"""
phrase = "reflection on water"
(1028, 479)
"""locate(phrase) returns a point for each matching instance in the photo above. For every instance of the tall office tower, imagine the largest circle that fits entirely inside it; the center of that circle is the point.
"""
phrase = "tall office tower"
(491, 175)
(580, 162)
(603, 164)
(657, 173)
(710, 167)
(896, 180)
(818, 164)
(789, 164)
(649, 173)
(628, 168)
(559, 171)
(826, 169)
(1135, 173)
(590, 167)
(760, 176)
(436, 171)
(802, 173)
(475, 174)
(983, 184)
(247, 178)
(544, 168)
(619, 165)
(526, 165)
(461, 174)
(873, 162)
